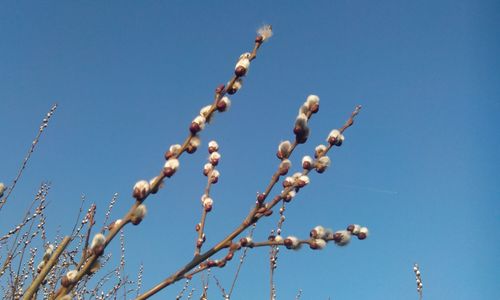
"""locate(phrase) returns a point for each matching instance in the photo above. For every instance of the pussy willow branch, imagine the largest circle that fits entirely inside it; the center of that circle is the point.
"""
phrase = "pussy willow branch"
(45, 123)
(254, 215)
(201, 230)
(155, 184)
(240, 264)
(33, 288)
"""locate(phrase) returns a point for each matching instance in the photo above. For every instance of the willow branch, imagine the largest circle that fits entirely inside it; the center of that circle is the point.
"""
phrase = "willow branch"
(33, 288)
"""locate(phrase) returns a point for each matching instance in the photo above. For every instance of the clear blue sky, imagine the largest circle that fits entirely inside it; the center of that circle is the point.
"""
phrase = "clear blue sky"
(420, 166)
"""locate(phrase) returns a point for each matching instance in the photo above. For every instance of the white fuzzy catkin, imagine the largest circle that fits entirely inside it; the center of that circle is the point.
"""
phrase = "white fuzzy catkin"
(71, 275)
(98, 240)
(266, 32)
(364, 230)
(346, 237)
(172, 163)
(213, 145)
(311, 100)
(320, 243)
(226, 101)
(142, 186)
(200, 120)
(295, 242)
(307, 160)
(140, 211)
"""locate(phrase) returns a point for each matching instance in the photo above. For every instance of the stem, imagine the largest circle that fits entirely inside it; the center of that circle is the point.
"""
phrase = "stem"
(33, 288)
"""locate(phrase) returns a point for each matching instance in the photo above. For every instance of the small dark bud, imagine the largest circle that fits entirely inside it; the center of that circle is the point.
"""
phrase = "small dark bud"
(313, 234)
(337, 237)
(168, 155)
(199, 243)
(307, 165)
(211, 263)
(288, 243)
(361, 235)
(219, 89)
(229, 256)
(221, 263)
(261, 198)
(191, 149)
(313, 245)
(198, 227)
(194, 128)
(232, 91)
(221, 106)
(350, 228)
(244, 242)
(240, 71)
(168, 172)
(259, 39)
(99, 250)
(65, 281)
(268, 212)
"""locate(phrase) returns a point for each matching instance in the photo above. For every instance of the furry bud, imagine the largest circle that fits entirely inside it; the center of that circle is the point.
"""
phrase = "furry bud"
(213, 147)
(223, 104)
(214, 158)
(312, 103)
(139, 214)
(292, 242)
(342, 237)
(193, 145)
(208, 203)
(335, 138)
(207, 168)
(214, 176)
(317, 244)
(363, 233)
(284, 166)
(170, 167)
(197, 124)
(302, 181)
(264, 33)
(172, 151)
(322, 164)
(235, 87)
(307, 162)
(320, 150)
(284, 149)
(141, 190)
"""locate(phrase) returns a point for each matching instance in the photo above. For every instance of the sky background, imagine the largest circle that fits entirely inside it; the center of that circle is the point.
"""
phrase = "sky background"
(419, 167)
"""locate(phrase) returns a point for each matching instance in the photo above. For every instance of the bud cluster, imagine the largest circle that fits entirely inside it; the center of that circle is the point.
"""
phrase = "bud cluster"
(320, 165)
(139, 213)
(416, 270)
(98, 244)
(359, 231)
(301, 128)
(69, 278)
(335, 138)
(242, 65)
(264, 33)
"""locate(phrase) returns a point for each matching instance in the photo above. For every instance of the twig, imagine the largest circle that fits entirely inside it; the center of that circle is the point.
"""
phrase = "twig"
(45, 123)
(45, 270)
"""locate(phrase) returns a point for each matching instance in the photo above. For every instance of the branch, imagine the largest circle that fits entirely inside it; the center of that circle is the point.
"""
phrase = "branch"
(33, 288)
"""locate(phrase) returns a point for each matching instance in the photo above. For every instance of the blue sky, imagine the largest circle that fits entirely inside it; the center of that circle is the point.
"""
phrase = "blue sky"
(419, 167)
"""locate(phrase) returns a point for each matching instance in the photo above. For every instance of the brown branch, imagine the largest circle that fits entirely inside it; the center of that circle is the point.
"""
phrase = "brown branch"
(154, 186)
(33, 288)
(45, 123)
(254, 215)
